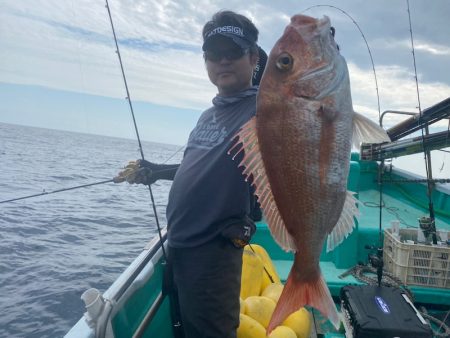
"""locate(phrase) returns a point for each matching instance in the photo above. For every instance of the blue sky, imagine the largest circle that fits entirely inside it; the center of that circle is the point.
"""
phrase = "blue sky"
(58, 67)
(59, 109)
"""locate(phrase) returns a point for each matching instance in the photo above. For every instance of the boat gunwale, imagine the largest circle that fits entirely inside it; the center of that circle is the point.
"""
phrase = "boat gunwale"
(118, 292)
(409, 175)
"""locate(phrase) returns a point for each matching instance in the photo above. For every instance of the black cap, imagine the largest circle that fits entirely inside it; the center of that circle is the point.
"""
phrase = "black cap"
(239, 35)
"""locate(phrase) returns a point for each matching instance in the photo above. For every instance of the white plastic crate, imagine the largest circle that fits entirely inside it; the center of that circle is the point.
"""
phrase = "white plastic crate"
(416, 264)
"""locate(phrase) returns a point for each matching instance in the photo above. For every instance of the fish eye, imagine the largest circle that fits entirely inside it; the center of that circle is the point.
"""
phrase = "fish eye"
(285, 62)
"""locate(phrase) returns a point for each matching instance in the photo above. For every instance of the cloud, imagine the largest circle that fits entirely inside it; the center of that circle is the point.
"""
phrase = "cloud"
(419, 46)
(397, 91)
(69, 45)
(433, 48)
(76, 56)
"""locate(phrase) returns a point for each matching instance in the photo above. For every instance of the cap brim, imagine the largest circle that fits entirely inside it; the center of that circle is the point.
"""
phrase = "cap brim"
(243, 43)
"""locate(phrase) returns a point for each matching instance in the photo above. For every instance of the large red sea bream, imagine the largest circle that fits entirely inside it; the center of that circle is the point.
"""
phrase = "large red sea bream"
(297, 149)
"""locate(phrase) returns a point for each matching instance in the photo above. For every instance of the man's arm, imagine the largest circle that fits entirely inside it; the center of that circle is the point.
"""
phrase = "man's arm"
(160, 171)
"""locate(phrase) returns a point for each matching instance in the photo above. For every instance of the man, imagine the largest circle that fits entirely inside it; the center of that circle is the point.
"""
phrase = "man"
(209, 201)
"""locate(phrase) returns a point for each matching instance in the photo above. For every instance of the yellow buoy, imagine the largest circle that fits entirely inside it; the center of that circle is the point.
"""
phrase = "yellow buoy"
(300, 322)
(250, 328)
(282, 332)
(273, 291)
(252, 274)
(260, 308)
(267, 263)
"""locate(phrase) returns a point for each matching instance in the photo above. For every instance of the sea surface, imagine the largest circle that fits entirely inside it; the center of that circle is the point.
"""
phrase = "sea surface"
(54, 247)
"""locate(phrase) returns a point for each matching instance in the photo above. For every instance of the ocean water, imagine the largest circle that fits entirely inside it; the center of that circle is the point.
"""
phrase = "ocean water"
(54, 247)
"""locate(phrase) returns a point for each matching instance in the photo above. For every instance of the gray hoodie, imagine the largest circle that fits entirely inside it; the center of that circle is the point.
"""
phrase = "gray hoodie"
(208, 189)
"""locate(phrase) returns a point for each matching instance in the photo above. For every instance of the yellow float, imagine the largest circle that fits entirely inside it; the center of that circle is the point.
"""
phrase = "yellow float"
(252, 274)
(282, 332)
(267, 263)
(260, 308)
(250, 328)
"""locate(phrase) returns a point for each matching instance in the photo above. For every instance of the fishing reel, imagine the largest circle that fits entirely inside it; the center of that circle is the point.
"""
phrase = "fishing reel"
(376, 260)
(428, 227)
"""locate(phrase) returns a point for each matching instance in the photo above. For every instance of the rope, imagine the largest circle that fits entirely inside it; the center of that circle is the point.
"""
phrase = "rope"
(267, 272)
(441, 323)
(392, 210)
(359, 272)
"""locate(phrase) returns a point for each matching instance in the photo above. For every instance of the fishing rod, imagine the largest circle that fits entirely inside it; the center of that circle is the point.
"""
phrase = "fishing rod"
(426, 151)
(176, 319)
(117, 179)
(128, 98)
(58, 190)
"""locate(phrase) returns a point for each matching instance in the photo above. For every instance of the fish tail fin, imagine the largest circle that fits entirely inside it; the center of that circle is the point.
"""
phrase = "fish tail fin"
(365, 130)
(297, 294)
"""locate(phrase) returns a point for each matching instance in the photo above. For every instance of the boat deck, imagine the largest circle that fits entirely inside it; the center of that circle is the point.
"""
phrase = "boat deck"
(397, 206)
(143, 311)
(403, 202)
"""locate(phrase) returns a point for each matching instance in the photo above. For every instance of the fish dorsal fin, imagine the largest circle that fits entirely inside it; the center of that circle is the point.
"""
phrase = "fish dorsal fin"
(365, 130)
(345, 223)
(247, 141)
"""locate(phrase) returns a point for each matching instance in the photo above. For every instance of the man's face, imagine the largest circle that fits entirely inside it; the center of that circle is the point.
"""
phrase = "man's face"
(229, 68)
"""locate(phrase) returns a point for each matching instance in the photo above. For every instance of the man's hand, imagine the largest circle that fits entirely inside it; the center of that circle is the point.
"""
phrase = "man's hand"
(139, 172)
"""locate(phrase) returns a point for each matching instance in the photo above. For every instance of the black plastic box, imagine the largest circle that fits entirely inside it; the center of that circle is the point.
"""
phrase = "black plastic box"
(381, 312)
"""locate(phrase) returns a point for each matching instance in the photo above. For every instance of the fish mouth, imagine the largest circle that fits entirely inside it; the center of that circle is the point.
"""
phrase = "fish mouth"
(303, 21)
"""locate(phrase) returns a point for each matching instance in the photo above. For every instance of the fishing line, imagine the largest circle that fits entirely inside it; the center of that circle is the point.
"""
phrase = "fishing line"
(381, 165)
(128, 98)
(367, 45)
(176, 152)
(80, 66)
(448, 144)
(427, 155)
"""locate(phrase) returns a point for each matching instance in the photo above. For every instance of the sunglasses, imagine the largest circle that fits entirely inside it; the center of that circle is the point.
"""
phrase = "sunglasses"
(230, 54)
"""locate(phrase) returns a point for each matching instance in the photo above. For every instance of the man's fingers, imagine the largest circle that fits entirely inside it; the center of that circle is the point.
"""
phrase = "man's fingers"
(118, 179)
(133, 173)
(132, 165)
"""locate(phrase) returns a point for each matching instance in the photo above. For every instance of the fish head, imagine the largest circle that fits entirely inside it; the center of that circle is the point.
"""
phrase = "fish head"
(305, 64)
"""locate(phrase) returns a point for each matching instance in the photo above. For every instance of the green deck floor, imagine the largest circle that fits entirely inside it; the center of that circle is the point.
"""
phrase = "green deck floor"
(396, 206)
(406, 203)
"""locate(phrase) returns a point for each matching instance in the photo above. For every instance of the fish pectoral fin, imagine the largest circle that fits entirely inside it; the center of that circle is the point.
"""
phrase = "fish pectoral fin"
(345, 224)
(328, 112)
(365, 130)
(247, 141)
